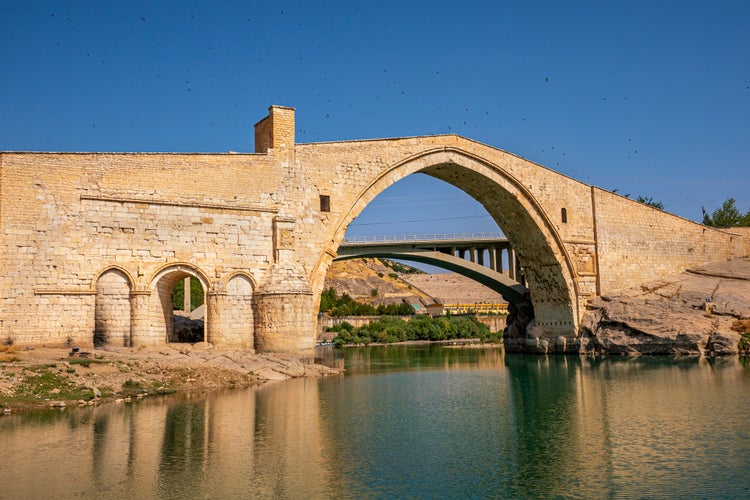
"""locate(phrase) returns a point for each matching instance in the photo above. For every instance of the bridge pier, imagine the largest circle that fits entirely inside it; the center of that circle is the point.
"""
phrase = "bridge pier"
(284, 314)
(214, 306)
(141, 333)
(285, 322)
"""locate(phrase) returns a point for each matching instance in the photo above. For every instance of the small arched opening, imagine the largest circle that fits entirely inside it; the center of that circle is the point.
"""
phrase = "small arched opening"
(238, 311)
(180, 293)
(112, 309)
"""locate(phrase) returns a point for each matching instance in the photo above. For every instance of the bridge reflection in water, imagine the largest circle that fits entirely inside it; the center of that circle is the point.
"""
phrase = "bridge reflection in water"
(409, 422)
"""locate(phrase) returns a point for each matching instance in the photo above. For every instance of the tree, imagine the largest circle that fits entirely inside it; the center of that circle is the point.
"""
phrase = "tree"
(196, 294)
(328, 299)
(647, 200)
(726, 216)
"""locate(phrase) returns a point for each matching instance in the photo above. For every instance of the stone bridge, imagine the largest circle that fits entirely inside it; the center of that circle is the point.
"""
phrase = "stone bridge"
(93, 243)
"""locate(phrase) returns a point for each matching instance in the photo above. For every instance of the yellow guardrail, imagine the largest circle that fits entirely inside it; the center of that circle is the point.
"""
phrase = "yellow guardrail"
(478, 308)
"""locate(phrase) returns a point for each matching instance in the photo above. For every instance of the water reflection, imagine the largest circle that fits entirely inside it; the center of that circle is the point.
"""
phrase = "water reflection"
(400, 357)
(547, 427)
(409, 422)
(630, 426)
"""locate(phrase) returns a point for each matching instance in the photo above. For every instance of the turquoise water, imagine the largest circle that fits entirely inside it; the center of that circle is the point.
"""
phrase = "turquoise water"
(410, 422)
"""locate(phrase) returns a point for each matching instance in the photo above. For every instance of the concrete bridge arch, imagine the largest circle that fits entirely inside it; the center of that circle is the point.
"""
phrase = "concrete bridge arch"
(511, 290)
(549, 271)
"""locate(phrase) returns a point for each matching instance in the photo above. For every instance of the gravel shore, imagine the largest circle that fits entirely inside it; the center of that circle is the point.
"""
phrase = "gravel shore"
(37, 377)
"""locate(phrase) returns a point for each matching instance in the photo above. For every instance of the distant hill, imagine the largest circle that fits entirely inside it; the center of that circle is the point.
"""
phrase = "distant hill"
(373, 281)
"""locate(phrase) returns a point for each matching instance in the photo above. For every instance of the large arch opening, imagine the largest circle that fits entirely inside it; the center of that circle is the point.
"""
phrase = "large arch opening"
(538, 248)
(112, 309)
(178, 325)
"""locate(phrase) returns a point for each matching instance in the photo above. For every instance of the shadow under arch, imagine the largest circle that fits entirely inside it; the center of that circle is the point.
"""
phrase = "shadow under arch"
(161, 284)
(539, 248)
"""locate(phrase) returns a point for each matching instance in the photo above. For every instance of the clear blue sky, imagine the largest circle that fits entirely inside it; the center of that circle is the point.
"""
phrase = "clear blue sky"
(647, 97)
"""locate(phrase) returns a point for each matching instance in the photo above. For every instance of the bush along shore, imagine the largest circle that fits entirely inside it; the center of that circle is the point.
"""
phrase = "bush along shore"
(390, 330)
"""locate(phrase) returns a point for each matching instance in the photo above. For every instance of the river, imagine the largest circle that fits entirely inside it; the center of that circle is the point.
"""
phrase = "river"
(409, 422)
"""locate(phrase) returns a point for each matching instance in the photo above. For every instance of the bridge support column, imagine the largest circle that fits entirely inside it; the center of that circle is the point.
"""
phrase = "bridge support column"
(229, 315)
(141, 331)
(215, 333)
(511, 264)
(493, 258)
(284, 315)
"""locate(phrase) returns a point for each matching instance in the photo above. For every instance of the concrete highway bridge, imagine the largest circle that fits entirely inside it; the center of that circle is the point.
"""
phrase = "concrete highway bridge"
(479, 256)
(93, 244)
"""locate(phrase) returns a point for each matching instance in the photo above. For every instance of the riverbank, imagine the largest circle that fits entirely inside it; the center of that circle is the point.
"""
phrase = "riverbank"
(33, 378)
(704, 311)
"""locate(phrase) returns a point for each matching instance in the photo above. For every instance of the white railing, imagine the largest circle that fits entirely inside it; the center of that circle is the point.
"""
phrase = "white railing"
(423, 237)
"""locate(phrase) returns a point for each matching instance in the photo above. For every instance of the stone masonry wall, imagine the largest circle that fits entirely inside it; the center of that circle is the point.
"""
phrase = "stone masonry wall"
(638, 243)
(68, 218)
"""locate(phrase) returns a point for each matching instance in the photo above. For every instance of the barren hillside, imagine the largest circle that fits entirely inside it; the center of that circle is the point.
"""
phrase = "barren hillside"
(369, 280)
(453, 288)
(359, 277)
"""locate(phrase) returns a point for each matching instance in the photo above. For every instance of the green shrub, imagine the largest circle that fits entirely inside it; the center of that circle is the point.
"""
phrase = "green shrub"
(394, 329)
(344, 305)
(196, 294)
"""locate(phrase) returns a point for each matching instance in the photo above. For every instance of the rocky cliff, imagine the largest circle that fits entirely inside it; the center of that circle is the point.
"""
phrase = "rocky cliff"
(703, 311)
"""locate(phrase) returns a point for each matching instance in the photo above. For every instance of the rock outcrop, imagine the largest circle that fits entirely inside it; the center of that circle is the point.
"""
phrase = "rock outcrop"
(699, 312)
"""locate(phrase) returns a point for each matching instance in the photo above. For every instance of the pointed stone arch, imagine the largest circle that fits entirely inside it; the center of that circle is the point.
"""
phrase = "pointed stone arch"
(548, 268)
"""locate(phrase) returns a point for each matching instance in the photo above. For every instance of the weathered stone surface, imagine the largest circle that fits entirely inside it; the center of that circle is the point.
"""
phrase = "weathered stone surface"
(92, 244)
(691, 313)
